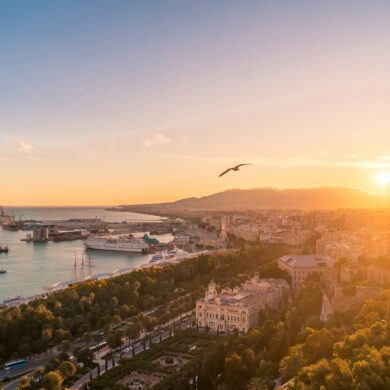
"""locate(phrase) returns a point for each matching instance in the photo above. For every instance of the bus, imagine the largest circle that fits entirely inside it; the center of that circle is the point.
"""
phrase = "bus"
(98, 347)
(15, 364)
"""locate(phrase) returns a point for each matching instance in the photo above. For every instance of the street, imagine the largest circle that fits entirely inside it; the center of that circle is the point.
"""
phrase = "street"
(138, 348)
(159, 335)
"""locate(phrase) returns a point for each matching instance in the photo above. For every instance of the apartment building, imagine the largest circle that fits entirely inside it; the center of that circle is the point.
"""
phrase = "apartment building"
(299, 267)
(349, 248)
(248, 232)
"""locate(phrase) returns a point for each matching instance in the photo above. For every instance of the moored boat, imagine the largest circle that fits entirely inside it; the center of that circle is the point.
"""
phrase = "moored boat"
(117, 244)
(4, 249)
(171, 255)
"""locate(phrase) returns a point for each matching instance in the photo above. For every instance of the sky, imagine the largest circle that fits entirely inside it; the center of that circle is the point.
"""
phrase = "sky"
(120, 102)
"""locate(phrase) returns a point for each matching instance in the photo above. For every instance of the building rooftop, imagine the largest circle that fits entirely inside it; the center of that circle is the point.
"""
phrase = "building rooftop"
(308, 261)
(232, 298)
(252, 290)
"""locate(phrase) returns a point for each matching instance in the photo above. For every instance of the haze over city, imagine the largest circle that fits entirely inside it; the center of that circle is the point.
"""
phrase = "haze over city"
(132, 102)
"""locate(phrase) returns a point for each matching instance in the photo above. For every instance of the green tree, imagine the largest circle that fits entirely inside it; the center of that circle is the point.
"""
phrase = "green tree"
(116, 320)
(133, 331)
(212, 367)
(87, 338)
(25, 383)
(67, 369)
(114, 340)
(235, 373)
(47, 335)
(52, 381)
(258, 383)
(65, 346)
(85, 356)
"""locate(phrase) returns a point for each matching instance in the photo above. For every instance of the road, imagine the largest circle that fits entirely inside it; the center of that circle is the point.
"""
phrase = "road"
(26, 370)
(138, 348)
(183, 320)
(31, 365)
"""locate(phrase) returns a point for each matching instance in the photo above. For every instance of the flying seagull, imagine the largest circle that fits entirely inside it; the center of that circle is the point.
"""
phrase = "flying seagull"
(236, 168)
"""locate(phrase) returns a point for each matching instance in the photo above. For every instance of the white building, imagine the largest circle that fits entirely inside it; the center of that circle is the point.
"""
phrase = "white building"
(247, 232)
(300, 266)
(221, 242)
(238, 308)
(182, 240)
(348, 247)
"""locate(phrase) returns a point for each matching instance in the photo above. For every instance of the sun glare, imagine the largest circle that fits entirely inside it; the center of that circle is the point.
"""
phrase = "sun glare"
(383, 178)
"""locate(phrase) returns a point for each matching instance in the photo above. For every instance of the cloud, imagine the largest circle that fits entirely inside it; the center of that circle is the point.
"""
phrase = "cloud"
(156, 140)
(24, 147)
(318, 162)
(379, 163)
(15, 149)
(197, 158)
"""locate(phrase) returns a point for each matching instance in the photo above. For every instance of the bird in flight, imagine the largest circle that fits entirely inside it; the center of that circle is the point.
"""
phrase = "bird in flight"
(236, 168)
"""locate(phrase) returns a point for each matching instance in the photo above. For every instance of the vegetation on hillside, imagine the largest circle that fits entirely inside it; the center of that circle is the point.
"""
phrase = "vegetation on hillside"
(79, 312)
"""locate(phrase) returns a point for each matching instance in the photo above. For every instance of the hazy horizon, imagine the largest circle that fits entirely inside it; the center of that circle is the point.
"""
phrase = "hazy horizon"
(92, 206)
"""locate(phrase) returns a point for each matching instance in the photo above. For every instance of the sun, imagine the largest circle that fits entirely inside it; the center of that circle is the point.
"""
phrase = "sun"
(383, 178)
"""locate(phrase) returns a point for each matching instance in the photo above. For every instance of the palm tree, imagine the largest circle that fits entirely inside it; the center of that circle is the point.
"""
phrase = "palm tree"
(116, 320)
(142, 318)
(132, 331)
(87, 337)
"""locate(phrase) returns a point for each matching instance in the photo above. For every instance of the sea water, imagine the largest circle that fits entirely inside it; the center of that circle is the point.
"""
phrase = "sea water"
(34, 266)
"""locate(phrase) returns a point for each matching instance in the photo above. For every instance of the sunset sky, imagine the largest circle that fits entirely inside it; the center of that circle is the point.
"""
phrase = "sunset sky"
(111, 102)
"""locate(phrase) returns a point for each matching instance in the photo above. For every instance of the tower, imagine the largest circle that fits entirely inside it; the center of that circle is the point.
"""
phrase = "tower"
(223, 238)
(211, 290)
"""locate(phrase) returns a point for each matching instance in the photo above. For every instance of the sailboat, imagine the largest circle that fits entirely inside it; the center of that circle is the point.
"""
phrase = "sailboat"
(2, 270)
(4, 218)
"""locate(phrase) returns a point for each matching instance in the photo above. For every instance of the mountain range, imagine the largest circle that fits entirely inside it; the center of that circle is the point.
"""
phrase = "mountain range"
(271, 198)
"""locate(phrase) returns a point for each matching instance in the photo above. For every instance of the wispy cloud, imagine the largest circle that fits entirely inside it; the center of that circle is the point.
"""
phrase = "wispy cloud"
(14, 149)
(195, 157)
(155, 140)
(379, 163)
(24, 147)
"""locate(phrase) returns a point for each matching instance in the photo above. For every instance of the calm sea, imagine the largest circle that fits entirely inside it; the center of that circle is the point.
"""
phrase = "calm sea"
(30, 267)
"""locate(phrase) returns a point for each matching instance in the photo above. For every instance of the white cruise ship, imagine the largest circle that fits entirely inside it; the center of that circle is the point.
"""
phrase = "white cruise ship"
(118, 244)
(170, 256)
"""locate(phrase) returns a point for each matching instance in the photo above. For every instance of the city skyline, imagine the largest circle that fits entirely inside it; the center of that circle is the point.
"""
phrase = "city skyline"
(108, 103)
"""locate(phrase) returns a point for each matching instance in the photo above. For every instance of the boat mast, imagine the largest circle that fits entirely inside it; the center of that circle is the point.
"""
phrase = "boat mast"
(75, 265)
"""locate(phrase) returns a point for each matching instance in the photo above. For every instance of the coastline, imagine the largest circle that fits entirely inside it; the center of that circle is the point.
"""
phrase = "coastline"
(147, 211)
(31, 266)
(62, 286)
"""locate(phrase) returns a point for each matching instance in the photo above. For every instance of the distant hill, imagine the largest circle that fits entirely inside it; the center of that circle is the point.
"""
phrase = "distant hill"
(266, 198)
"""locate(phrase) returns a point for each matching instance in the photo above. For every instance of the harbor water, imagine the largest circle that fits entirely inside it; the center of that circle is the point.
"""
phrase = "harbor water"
(34, 266)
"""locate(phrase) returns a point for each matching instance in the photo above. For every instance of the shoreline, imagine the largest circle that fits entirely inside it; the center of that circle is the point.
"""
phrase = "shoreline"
(31, 267)
(163, 214)
(62, 286)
